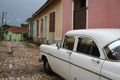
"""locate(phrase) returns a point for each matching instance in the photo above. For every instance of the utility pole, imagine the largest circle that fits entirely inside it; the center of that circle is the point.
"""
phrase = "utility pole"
(4, 17)
(4, 20)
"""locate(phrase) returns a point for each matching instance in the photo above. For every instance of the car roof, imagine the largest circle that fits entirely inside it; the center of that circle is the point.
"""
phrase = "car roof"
(102, 36)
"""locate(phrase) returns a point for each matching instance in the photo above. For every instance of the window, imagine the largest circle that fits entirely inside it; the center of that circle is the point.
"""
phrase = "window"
(37, 27)
(68, 43)
(84, 45)
(95, 51)
(52, 22)
(87, 46)
(41, 30)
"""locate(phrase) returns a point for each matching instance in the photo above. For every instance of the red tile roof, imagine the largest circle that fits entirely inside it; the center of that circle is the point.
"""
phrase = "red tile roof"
(18, 30)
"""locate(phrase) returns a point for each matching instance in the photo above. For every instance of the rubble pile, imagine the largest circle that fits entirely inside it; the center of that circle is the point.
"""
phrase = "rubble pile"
(20, 62)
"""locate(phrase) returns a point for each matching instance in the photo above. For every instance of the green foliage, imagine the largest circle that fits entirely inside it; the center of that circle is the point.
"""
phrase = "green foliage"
(24, 25)
(5, 27)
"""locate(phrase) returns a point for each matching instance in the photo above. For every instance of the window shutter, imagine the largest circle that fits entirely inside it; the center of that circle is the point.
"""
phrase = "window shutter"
(52, 22)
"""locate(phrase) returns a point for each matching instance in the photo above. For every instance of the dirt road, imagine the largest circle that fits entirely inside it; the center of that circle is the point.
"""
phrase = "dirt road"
(21, 63)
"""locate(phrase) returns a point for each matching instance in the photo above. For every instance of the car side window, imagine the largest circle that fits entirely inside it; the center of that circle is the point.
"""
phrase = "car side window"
(68, 43)
(84, 45)
(95, 51)
(87, 46)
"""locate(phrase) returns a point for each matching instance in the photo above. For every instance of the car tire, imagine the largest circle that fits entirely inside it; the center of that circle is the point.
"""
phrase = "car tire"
(47, 68)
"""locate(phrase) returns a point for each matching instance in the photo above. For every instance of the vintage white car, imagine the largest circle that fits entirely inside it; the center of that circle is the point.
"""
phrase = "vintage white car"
(91, 54)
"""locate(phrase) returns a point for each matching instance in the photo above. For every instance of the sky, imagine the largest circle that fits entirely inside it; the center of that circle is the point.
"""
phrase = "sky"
(19, 10)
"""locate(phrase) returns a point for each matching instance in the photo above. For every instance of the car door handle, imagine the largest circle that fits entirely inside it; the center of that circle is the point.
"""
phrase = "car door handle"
(97, 61)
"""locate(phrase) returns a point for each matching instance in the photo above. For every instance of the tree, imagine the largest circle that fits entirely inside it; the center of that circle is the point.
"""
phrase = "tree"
(24, 25)
(5, 27)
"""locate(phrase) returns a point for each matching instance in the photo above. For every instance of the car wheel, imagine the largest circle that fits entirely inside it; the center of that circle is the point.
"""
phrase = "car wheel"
(47, 68)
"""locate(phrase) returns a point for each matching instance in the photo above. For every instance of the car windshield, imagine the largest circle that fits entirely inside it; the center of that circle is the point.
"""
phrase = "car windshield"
(113, 50)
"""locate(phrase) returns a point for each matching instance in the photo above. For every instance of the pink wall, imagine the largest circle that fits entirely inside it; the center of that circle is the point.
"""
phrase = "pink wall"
(66, 16)
(103, 13)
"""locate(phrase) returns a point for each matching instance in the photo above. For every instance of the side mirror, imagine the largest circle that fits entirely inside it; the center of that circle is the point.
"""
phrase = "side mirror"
(58, 45)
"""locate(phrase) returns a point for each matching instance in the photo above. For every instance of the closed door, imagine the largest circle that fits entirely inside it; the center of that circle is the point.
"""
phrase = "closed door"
(79, 14)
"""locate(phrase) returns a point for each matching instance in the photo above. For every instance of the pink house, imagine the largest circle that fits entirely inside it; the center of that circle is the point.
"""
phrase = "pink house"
(84, 14)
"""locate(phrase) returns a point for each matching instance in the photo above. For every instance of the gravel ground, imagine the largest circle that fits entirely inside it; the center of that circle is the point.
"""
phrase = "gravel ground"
(22, 62)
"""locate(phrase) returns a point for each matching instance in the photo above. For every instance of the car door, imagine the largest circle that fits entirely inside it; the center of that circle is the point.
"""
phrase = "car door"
(85, 62)
(61, 63)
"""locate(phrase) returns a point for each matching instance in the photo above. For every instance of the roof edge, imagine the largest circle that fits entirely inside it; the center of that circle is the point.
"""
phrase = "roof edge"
(48, 2)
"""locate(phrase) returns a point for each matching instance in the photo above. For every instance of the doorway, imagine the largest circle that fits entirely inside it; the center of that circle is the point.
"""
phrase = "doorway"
(79, 14)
